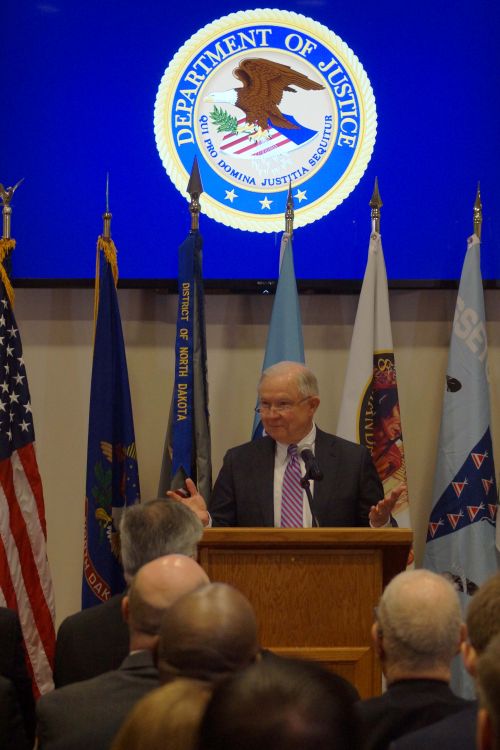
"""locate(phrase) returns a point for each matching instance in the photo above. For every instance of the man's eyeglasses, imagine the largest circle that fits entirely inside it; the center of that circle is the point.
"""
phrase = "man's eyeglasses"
(280, 407)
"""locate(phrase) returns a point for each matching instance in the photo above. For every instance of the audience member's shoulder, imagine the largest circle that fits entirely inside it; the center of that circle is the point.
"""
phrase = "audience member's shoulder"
(12, 733)
(457, 730)
(91, 615)
(8, 618)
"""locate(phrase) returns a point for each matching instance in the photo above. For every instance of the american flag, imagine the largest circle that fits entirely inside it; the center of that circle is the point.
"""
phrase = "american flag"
(25, 581)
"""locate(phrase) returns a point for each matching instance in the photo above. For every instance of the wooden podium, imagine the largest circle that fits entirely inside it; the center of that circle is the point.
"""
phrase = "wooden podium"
(313, 590)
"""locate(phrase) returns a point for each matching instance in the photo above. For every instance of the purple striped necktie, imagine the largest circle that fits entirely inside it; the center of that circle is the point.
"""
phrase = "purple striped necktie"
(291, 493)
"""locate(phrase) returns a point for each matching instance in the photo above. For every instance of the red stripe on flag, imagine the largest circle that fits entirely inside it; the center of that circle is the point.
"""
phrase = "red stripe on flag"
(39, 607)
(6, 583)
(260, 145)
(30, 466)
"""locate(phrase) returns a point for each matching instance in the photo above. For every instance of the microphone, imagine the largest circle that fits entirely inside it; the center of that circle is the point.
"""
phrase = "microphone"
(312, 467)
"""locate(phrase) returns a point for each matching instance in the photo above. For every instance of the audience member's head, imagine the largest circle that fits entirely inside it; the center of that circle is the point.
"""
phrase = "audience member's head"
(168, 717)
(154, 529)
(155, 587)
(418, 628)
(488, 682)
(207, 634)
(281, 704)
(483, 621)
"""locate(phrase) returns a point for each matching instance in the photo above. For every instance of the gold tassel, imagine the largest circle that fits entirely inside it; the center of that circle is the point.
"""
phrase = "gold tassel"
(5, 247)
(109, 249)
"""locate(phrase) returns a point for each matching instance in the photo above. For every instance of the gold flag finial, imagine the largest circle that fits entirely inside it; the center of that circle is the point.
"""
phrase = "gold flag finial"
(106, 244)
(289, 213)
(478, 213)
(375, 205)
(195, 189)
(7, 244)
(106, 217)
(6, 197)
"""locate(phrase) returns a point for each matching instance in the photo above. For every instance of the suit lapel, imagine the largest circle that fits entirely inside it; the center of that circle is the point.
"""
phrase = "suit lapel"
(328, 459)
(262, 469)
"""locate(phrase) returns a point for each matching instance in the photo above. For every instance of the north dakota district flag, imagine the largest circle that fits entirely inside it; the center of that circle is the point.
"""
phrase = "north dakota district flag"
(187, 450)
(461, 531)
(369, 410)
(284, 337)
(112, 473)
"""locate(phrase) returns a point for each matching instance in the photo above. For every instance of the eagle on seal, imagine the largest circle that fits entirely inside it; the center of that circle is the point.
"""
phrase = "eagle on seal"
(264, 82)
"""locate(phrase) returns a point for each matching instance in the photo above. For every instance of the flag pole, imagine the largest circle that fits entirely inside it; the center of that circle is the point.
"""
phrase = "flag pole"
(289, 213)
(6, 197)
(106, 217)
(375, 204)
(7, 244)
(478, 213)
(195, 189)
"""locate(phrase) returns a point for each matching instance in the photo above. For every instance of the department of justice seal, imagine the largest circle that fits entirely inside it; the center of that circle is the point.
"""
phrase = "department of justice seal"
(263, 98)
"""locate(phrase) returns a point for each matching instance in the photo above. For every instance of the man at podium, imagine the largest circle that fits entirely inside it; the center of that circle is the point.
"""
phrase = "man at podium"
(261, 483)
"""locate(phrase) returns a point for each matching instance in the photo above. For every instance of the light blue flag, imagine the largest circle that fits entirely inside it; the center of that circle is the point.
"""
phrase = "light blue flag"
(461, 532)
(284, 338)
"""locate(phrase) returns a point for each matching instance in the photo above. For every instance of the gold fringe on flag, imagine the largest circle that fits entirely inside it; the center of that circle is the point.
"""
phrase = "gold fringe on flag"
(108, 247)
(6, 245)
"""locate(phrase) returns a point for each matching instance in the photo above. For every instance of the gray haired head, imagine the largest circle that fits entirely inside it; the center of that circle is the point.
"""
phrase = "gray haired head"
(156, 528)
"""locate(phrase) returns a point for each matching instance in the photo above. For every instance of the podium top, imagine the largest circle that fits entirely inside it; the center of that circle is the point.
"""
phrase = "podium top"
(351, 537)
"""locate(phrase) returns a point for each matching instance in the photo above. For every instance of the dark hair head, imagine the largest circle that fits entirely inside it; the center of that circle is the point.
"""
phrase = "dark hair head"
(483, 614)
(281, 704)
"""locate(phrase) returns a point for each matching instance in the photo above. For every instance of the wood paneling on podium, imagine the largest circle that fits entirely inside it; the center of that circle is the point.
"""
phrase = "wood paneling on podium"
(313, 590)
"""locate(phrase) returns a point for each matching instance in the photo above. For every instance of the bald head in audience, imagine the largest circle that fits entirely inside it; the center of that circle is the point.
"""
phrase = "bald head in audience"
(155, 587)
(419, 628)
(207, 634)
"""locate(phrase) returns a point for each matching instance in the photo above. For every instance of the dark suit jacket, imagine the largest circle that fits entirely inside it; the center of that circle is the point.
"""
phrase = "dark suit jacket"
(12, 732)
(91, 642)
(406, 706)
(243, 492)
(13, 667)
(87, 715)
(451, 733)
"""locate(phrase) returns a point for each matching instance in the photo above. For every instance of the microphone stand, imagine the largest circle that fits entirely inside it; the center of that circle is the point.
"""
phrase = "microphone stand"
(305, 484)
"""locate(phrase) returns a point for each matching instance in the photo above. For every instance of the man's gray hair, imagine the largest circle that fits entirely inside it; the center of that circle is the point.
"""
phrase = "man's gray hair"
(154, 529)
(420, 620)
(307, 383)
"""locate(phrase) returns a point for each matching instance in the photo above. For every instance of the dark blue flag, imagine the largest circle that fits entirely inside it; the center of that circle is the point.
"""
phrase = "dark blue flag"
(187, 444)
(112, 473)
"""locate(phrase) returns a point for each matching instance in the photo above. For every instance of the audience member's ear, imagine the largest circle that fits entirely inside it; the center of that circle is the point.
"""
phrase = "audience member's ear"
(125, 608)
(484, 731)
(469, 657)
(462, 637)
(377, 640)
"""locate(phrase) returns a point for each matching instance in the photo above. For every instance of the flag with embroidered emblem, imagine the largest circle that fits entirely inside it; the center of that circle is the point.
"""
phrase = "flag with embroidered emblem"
(112, 473)
(25, 579)
(461, 530)
(369, 410)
